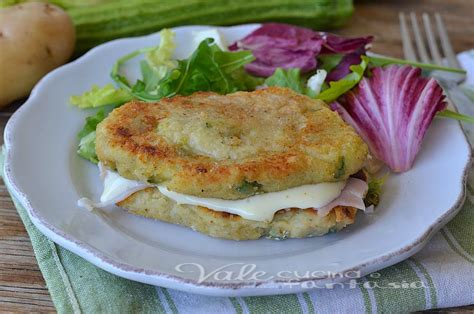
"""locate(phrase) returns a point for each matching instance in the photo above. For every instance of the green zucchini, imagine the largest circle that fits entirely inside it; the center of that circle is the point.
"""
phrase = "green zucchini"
(103, 22)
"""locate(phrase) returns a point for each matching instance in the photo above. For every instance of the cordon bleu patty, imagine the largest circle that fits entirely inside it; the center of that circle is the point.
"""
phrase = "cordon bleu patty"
(231, 146)
(287, 223)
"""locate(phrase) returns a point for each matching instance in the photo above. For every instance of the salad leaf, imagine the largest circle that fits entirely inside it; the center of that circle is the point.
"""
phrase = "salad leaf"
(157, 64)
(162, 55)
(392, 111)
(337, 44)
(86, 136)
(158, 61)
(345, 84)
(343, 67)
(287, 78)
(101, 96)
(246, 82)
(121, 80)
(456, 116)
(277, 45)
(378, 61)
(208, 69)
(150, 76)
(329, 62)
(230, 62)
(200, 72)
(292, 79)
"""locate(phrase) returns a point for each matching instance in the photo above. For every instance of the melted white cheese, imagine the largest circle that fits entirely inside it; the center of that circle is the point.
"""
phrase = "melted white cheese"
(118, 188)
(261, 207)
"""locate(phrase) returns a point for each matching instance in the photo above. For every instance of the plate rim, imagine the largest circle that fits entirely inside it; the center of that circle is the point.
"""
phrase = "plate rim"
(152, 276)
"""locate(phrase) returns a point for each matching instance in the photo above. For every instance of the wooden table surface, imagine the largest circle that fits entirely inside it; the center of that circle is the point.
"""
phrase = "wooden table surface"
(22, 287)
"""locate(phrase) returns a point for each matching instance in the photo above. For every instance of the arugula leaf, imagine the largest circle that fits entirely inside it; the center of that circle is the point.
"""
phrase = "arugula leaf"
(345, 84)
(101, 96)
(200, 72)
(290, 78)
(232, 61)
(86, 136)
(456, 116)
(208, 69)
(378, 61)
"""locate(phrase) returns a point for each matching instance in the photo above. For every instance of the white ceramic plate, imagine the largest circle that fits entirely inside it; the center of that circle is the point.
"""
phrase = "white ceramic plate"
(45, 174)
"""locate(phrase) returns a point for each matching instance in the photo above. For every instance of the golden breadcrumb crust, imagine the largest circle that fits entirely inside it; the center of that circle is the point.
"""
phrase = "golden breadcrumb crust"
(231, 146)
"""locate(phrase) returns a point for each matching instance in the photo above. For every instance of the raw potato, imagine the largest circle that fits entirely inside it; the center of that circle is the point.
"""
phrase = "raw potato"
(34, 39)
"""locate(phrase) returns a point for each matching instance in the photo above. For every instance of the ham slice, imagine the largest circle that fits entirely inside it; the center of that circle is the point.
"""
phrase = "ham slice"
(352, 196)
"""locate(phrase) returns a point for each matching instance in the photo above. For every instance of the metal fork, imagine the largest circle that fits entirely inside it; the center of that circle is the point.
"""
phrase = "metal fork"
(449, 81)
(435, 54)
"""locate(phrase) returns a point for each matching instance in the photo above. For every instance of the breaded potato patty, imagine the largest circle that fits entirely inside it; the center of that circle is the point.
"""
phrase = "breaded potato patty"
(292, 223)
(230, 146)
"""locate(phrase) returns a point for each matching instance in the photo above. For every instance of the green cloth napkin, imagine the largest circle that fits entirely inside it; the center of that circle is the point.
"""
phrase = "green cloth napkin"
(441, 275)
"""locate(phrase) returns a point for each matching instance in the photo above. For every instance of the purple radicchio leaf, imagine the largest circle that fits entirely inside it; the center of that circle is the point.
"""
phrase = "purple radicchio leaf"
(337, 44)
(270, 59)
(276, 45)
(343, 67)
(392, 111)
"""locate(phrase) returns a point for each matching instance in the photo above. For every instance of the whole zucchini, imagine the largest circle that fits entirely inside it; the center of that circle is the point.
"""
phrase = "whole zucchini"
(122, 18)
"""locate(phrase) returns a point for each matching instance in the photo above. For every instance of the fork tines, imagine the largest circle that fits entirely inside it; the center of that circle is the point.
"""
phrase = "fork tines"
(421, 51)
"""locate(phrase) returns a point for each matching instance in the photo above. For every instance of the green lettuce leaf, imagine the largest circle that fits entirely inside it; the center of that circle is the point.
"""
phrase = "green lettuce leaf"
(162, 55)
(290, 78)
(159, 60)
(86, 136)
(345, 84)
(151, 77)
(329, 62)
(101, 96)
(245, 82)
